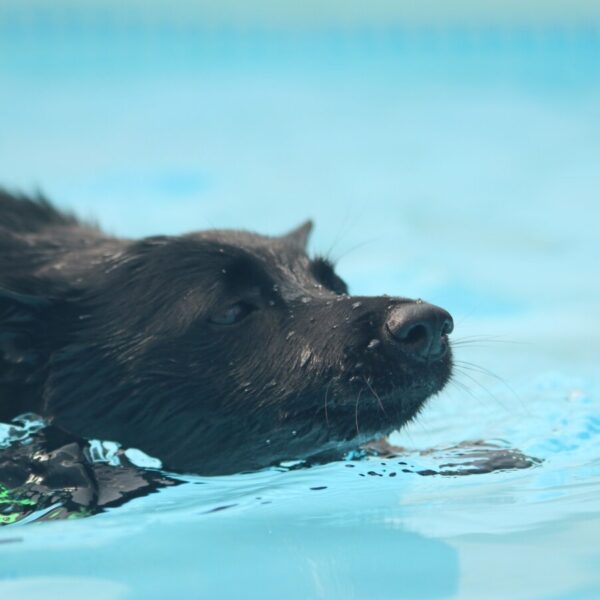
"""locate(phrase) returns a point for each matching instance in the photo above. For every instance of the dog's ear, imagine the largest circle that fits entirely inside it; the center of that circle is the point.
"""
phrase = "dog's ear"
(22, 325)
(298, 237)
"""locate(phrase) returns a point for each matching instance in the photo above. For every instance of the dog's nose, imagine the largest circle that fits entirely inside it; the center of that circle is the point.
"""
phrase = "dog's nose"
(420, 329)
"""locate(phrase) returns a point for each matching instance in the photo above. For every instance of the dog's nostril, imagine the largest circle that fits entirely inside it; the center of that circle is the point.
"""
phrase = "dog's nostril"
(415, 334)
(448, 326)
(419, 328)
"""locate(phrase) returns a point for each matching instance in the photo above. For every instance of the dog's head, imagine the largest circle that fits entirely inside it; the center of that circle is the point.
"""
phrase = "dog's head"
(223, 351)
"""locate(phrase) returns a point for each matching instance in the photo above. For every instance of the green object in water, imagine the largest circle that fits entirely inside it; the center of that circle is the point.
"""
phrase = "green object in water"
(7, 497)
(9, 519)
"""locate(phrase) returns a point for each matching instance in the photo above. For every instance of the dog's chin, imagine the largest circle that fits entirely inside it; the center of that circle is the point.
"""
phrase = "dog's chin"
(391, 410)
(364, 415)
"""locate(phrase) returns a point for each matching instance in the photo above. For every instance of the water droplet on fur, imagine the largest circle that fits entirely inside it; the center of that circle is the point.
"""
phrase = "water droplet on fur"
(334, 327)
(275, 288)
(268, 441)
(221, 250)
(223, 270)
(290, 335)
(294, 432)
(356, 305)
(305, 356)
(306, 300)
(271, 384)
(373, 344)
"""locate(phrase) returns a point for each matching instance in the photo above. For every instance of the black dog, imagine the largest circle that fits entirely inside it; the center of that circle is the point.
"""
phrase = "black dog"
(217, 351)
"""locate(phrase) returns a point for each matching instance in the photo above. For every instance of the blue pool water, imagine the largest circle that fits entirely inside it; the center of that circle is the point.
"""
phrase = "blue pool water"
(458, 165)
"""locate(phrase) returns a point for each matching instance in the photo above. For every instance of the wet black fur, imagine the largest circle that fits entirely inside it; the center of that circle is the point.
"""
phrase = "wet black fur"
(121, 340)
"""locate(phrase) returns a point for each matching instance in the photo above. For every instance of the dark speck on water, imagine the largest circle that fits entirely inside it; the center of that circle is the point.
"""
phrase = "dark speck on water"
(218, 509)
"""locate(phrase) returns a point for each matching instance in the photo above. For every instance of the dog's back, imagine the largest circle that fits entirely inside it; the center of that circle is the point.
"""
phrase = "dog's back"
(37, 241)
(34, 235)
(21, 215)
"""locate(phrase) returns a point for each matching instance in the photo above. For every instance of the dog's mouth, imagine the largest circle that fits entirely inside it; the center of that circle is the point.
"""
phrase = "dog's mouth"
(394, 374)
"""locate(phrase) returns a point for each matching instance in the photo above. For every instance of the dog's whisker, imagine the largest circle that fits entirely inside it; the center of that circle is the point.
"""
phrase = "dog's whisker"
(356, 411)
(326, 394)
(483, 387)
(463, 387)
(462, 364)
(482, 340)
(376, 395)
(342, 231)
(354, 248)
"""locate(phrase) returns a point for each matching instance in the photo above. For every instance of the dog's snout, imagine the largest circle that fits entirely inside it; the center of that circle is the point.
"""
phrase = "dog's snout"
(420, 329)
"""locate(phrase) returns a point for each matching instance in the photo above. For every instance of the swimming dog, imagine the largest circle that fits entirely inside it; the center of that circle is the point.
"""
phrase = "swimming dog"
(216, 351)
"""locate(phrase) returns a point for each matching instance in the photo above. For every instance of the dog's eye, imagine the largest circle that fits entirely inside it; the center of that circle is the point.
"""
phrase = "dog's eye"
(323, 271)
(232, 314)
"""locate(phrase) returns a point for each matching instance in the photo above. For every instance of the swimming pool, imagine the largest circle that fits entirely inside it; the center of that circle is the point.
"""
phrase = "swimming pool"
(460, 166)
